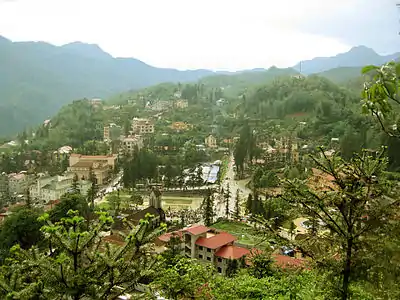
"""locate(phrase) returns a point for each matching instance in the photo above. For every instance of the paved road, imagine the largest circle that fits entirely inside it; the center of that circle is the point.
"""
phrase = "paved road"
(230, 181)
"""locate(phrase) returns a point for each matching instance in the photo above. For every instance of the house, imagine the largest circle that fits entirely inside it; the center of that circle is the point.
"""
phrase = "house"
(181, 103)
(62, 152)
(207, 245)
(211, 141)
(142, 126)
(130, 142)
(155, 198)
(111, 132)
(179, 126)
(100, 165)
(18, 183)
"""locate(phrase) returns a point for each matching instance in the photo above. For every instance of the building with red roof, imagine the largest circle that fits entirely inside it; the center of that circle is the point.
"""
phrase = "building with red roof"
(207, 244)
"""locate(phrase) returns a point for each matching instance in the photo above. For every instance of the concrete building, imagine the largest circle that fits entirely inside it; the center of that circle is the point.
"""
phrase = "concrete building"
(18, 183)
(181, 103)
(211, 141)
(101, 165)
(142, 126)
(111, 132)
(129, 143)
(50, 188)
(208, 245)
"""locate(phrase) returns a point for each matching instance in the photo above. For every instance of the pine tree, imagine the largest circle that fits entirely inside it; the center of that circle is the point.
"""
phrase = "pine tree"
(236, 214)
(208, 208)
(227, 200)
(75, 184)
(92, 193)
(28, 199)
(80, 264)
(249, 204)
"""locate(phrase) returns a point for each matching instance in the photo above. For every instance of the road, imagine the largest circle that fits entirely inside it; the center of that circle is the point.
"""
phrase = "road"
(229, 180)
(112, 186)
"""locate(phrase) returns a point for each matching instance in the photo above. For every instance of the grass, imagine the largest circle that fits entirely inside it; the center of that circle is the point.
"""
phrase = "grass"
(246, 234)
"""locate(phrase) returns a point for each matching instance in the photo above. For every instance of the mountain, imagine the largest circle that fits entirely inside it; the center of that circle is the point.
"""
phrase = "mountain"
(356, 57)
(37, 78)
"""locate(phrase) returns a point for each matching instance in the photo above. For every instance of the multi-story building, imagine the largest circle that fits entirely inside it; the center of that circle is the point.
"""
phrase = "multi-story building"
(18, 183)
(111, 132)
(181, 103)
(208, 245)
(100, 165)
(211, 141)
(50, 188)
(142, 126)
(130, 142)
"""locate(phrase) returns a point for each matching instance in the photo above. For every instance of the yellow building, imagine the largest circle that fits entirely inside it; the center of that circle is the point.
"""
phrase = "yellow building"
(101, 165)
(211, 141)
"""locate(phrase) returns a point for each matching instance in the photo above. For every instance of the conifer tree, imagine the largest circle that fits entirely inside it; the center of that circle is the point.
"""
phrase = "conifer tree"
(208, 208)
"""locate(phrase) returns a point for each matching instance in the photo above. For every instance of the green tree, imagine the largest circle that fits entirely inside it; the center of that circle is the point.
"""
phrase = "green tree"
(236, 214)
(94, 188)
(75, 202)
(75, 268)
(21, 228)
(208, 208)
(381, 96)
(184, 280)
(358, 207)
(75, 184)
(261, 265)
(249, 203)
(227, 197)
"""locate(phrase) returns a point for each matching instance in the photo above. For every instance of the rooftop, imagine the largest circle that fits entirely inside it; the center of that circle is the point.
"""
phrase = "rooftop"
(232, 252)
(216, 241)
(197, 229)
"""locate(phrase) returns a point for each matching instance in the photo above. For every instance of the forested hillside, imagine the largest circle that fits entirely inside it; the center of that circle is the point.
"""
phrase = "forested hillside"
(37, 79)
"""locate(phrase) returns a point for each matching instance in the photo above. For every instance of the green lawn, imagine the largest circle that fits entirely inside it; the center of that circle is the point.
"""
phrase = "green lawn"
(246, 234)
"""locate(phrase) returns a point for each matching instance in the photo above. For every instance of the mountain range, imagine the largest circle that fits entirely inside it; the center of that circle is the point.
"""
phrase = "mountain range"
(37, 78)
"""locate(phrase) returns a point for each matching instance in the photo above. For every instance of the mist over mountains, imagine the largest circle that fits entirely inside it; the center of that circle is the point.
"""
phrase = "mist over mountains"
(37, 78)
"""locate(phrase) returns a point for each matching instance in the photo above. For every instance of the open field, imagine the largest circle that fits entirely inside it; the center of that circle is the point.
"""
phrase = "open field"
(172, 201)
(246, 234)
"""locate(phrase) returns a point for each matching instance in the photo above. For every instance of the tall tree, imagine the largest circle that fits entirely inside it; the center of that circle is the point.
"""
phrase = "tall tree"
(94, 188)
(227, 197)
(357, 206)
(208, 208)
(75, 184)
(236, 214)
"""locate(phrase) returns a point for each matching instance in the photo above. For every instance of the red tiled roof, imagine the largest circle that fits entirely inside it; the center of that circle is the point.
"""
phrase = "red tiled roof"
(197, 229)
(232, 252)
(167, 236)
(284, 261)
(216, 241)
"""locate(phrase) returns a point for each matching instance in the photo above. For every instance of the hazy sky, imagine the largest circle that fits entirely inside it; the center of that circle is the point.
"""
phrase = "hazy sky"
(213, 34)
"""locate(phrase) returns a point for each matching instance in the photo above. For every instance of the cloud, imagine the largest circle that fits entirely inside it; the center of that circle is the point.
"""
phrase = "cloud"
(216, 34)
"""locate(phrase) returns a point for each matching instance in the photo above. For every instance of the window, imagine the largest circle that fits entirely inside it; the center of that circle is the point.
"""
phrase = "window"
(219, 270)
(200, 256)
(208, 250)
(208, 258)
(200, 247)
(219, 259)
